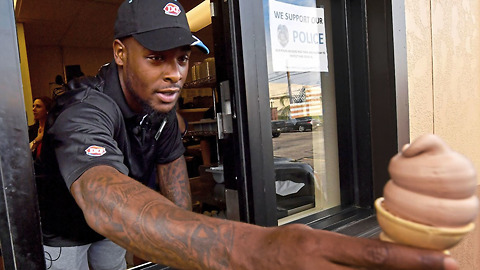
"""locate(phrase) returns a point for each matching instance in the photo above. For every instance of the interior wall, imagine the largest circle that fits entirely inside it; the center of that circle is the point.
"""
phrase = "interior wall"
(89, 59)
(46, 62)
(443, 45)
(27, 89)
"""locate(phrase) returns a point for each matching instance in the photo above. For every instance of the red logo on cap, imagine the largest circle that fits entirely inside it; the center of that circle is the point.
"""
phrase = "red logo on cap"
(95, 151)
(172, 9)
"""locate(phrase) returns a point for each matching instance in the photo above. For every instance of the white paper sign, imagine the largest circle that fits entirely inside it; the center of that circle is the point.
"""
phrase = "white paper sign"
(298, 40)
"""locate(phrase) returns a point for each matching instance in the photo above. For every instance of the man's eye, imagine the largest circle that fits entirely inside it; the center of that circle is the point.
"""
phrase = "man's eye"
(184, 58)
(155, 58)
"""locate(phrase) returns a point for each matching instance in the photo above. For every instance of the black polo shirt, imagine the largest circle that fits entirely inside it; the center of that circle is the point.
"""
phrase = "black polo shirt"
(92, 125)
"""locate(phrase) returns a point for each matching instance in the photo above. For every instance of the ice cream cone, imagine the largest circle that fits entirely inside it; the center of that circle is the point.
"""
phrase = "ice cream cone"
(402, 231)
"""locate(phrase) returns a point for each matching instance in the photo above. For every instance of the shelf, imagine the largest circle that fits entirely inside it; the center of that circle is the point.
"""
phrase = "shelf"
(193, 110)
(201, 133)
(208, 82)
(204, 127)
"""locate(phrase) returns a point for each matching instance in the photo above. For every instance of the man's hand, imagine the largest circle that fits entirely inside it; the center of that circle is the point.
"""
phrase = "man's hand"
(300, 247)
(152, 227)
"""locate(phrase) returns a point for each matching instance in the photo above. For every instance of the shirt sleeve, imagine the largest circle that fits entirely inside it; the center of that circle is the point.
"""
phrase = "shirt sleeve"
(83, 137)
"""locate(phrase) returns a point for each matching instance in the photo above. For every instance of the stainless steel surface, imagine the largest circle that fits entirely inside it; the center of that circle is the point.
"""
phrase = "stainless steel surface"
(225, 123)
(401, 71)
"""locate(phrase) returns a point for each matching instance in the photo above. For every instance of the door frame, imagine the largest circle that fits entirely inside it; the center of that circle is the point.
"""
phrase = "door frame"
(20, 232)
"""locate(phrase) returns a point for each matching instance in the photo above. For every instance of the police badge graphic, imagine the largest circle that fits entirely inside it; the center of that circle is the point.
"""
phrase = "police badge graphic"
(282, 35)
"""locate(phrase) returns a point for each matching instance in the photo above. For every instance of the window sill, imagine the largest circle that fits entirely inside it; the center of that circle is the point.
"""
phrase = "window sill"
(352, 221)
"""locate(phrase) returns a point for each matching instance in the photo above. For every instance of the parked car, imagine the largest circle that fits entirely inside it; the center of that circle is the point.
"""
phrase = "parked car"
(278, 126)
(294, 186)
(302, 124)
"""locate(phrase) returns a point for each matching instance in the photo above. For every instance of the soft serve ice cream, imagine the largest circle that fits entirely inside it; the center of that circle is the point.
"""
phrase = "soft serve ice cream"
(432, 185)
(430, 199)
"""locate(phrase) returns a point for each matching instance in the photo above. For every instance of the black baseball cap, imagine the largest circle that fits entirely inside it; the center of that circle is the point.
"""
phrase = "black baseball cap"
(158, 25)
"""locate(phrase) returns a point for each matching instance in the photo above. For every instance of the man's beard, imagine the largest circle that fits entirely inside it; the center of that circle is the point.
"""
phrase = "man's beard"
(154, 115)
(146, 108)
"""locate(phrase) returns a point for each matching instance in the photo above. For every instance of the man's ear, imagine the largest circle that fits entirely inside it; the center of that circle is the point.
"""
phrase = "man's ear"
(119, 52)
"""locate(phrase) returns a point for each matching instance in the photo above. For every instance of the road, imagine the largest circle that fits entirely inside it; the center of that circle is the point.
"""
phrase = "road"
(298, 145)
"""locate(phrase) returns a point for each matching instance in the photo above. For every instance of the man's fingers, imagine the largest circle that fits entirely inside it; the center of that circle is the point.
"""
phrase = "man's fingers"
(400, 257)
(451, 264)
(375, 254)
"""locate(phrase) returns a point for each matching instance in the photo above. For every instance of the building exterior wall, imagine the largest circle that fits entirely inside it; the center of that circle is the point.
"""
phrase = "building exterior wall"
(443, 54)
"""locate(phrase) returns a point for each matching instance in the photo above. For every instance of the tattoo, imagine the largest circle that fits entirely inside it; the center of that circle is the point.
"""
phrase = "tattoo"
(203, 242)
(149, 225)
(174, 183)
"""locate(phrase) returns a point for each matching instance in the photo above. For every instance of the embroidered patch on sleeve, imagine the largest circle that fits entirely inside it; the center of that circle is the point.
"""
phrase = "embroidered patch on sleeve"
(95, 151)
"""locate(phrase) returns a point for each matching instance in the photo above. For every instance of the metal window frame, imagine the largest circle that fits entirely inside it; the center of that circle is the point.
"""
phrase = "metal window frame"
(20, 232)
(367, 100)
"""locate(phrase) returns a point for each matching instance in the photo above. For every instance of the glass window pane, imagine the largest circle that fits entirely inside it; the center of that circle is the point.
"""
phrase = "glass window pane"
(302, 102)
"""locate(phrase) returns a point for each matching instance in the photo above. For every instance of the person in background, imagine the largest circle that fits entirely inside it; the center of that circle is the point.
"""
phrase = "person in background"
(41, 106)
(111, 131)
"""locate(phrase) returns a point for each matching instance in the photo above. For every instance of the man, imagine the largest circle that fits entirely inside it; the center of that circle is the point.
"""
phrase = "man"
(109, 132)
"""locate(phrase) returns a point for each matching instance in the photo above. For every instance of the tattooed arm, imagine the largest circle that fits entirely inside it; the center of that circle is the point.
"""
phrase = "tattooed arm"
(174, 184)
(149, 225)
(152, 227)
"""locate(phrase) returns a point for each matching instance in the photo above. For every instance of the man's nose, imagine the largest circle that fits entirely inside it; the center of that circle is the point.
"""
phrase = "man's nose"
(173, 72)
